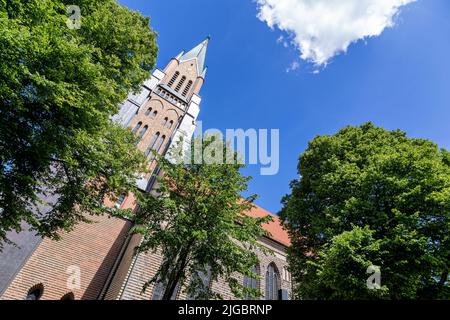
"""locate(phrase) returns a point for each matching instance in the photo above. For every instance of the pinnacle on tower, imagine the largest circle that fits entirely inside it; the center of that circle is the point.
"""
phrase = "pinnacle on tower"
(198, 53)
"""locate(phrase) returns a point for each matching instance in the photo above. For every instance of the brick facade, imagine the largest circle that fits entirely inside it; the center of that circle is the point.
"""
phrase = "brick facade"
(93, 248)
(109, 269)
(143, 267)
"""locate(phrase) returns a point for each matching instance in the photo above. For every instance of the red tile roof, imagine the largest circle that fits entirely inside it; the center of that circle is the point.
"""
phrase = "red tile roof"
(274, 227)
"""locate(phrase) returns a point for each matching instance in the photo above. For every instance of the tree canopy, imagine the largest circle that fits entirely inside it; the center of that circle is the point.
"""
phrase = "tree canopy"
(367, 196)
(60, 154)
(197, 219)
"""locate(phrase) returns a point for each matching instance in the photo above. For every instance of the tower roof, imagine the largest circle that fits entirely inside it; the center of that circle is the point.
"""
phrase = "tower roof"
(198, 53)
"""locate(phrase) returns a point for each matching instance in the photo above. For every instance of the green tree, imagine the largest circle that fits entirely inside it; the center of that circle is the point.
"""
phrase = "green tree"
(196, 217)
(59, 88)
(396, 190)
(341, 266)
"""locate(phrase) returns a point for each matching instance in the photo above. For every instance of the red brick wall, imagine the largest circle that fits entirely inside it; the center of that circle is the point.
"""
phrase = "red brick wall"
(92, 247)
(144, 267)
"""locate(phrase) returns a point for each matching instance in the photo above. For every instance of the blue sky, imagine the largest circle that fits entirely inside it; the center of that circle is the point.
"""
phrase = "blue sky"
(399, 79)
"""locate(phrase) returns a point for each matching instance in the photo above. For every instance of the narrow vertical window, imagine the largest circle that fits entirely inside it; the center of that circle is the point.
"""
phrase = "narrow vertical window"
(250, 283)
(157, 147)
(272, 282)
(160, 287)
(142, 132)
(152, 143)
(153, 116)
(148, 111)
(186, 89)
(136, 128)
(164, 123)
(172, 81)
(182, 80)
(203, 278)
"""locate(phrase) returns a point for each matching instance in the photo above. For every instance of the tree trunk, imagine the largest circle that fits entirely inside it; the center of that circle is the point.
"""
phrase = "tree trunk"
(176, 274)
(444, 279)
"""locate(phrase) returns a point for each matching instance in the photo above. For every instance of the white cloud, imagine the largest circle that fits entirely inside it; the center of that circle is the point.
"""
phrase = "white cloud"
(293, 66)
(323, 28)
(282, 41)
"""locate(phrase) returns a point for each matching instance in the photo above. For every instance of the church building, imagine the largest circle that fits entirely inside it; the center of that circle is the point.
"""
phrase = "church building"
(96, 261)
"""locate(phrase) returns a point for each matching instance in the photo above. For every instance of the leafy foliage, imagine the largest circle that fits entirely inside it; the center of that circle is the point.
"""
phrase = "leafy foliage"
(367, 195)
(60, 154)
(197, 218)
(342, 264)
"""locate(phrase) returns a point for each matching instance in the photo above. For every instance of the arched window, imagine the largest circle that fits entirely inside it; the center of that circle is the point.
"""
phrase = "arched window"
(35, 292)
(160, 143)
(251, 283)
(175, 76)
(153, 116)
(182, 80)
(170, 124)
(158, 146)
(148, 111)
(160, 287)
(152, 143)
(164, 123)
(272, 282)
(186, 89)
(142, 132)
(202, 282)
(68, 296)
(136, 128)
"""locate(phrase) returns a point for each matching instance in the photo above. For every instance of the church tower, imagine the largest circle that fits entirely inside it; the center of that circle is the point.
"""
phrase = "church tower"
(167, 106)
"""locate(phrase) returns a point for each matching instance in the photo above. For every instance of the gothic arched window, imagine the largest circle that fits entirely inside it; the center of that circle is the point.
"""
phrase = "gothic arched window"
(158, 146)
(35, 292)
(182, 80)
(170, 124)
(160, 143)
(186, 89)
(153, 116)
(142, 132)
(159, 289)
(251, 283)
(148, 111)
(152, 143)
(164, 123)
(202, 282)
(272, 282)
(175, 76)
(136, 128)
